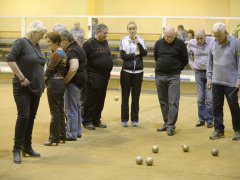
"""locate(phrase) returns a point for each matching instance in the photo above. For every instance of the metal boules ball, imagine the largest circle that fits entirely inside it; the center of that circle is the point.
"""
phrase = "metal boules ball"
(139, 160)
(155, 149)
(116, 98)
(215, 152)
(149, 161)
(185, 148)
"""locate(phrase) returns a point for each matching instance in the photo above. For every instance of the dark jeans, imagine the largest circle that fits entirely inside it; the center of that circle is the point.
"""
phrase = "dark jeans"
(168, 88)
(95, 97)
(55, 93)
(82, 99)
(205, 112)
(27, 106)
(130, 83)
(231, 94)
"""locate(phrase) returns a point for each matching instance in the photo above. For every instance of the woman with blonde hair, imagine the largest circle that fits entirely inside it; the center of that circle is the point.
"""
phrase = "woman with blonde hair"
(132, 50)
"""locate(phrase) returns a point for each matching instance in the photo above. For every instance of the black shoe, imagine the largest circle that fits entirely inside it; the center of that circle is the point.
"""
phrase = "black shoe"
(79, 136)
(17, 157)
(89, 127)
(216, 135)
(170, 131)
(209, 124)
(236, 135)
(29, 152)
(100, 125)
(62, 141)
(200, 123)
(164, 128)
(51, 143)
(71, 139)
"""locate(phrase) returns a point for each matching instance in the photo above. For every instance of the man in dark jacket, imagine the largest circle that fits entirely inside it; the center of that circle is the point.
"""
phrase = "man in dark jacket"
(99, 66)
(171, 57)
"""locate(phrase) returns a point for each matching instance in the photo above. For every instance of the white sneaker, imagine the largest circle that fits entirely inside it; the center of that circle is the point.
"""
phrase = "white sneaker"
(134, 124)
(124, 124)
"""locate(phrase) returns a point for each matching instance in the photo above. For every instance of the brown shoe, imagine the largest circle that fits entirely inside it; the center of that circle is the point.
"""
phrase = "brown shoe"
(50, 143)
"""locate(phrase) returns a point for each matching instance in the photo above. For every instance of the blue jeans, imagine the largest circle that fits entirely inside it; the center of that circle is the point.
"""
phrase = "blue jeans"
(231, 94)
(72, 111)
(168, 89)
(205, 111)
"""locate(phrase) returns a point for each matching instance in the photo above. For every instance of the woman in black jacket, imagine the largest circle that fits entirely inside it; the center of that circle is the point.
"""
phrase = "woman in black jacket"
(132, 51)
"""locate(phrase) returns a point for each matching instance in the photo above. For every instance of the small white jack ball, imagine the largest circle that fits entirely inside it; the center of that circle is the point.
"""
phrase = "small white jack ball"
(116, 98)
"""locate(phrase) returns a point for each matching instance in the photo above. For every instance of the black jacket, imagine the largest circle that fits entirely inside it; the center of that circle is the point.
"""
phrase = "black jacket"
(131, 61)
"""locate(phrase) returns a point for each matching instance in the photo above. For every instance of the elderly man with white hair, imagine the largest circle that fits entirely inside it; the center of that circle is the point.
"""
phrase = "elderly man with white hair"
(223, 76)
(198, 54)
(58, 27)
(171, 57)
(78, 33)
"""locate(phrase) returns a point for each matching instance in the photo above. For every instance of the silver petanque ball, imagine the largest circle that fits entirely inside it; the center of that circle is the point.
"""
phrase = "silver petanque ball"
(149, 161)
(185, 148)
(215, 152)
(139, 160)
(155, 149)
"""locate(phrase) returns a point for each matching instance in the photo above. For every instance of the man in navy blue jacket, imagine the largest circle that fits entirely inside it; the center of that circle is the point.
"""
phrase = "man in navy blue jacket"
(171, 57)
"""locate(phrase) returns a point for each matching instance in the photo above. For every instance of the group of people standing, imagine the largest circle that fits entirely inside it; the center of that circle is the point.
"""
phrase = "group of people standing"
(69, 69)
(72, 69)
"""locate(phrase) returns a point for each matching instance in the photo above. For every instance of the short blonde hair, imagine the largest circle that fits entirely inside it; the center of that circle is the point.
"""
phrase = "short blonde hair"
(36, 26)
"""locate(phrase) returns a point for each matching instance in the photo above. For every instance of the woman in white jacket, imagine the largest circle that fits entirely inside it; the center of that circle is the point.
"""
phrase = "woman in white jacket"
(132, 51)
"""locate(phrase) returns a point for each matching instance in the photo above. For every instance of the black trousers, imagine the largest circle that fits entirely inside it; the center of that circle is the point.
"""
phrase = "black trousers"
(130, 83)
(55, 93)
(27, 106)
(96, 89)
(231, 94)
(82, 99)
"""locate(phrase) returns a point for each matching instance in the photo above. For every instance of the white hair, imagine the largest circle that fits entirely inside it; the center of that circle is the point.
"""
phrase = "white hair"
(36, 26)
(219, 27)
(58, 27)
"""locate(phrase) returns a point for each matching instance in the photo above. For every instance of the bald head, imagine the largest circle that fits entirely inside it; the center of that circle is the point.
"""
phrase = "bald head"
(169, 34)
(200, 32)
(168, 30)
(200, 36)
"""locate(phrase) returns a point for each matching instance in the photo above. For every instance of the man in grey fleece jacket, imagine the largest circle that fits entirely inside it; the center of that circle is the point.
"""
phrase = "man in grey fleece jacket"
(223, 76)
(198, 54)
